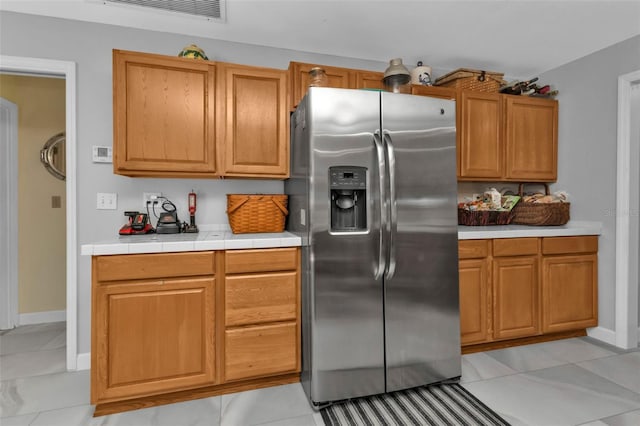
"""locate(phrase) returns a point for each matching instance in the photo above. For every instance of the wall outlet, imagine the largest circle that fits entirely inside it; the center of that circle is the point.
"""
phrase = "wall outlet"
(107, 201)
(150, 196)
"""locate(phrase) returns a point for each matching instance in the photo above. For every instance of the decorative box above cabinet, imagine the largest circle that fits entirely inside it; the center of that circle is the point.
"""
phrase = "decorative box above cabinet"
(164, 116)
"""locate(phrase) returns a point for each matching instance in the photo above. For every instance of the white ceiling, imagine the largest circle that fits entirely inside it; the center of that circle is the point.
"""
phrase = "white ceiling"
(518, 38)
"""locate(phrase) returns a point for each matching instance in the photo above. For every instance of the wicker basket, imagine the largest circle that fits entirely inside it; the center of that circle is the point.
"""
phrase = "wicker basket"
(540, 214)
(484, 217)
(254, 213)
(468, 79)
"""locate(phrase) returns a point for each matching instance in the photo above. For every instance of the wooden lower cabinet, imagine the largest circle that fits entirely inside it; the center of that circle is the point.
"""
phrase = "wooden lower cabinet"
(515, 297)
(517, 289)
(262, 313)
(475, 296)
(152, 334)
(153, 337)
(165, 334)
(569, 284)
(261, 350)
(475, 292)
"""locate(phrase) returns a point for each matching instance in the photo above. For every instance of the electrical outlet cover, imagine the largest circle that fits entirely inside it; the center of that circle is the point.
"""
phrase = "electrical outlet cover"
(147, 196)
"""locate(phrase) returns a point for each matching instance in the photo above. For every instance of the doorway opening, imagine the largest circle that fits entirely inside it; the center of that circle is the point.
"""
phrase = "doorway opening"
(43, 68)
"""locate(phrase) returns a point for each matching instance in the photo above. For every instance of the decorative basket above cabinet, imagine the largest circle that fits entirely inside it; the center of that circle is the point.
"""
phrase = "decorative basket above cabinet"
(180, 117)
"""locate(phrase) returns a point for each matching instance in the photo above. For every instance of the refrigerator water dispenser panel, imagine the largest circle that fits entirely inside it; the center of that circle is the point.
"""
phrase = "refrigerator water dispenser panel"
(348, 193)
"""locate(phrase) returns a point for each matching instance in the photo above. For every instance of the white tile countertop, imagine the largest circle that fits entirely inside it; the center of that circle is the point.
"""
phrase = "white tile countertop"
(572, 228)
(203, 240)
(224, 239)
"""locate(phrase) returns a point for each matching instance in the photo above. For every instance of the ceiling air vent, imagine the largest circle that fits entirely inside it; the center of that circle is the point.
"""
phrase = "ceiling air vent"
(212, 9)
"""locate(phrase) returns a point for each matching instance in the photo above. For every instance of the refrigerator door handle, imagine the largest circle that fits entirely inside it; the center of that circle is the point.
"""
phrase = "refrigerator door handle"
(393, 209)
(382, 254)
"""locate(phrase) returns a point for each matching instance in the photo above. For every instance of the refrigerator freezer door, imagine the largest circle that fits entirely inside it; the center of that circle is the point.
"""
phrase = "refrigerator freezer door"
(346, 318)
(421, 294)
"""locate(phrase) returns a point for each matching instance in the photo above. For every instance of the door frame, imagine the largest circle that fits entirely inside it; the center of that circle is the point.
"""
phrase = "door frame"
(627, 238)
(67, 69)
(8, 227)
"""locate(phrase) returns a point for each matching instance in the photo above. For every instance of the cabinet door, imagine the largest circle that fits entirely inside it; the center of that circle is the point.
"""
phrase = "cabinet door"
(152, 337)
(480, 145)
(474, 301)
(531, 139)
(255, 134)
(299, 74)
(434, 91)
(569, 292)
(259, 298)
(164, 116)
(515, 297)
(261, 351)
(369, 80)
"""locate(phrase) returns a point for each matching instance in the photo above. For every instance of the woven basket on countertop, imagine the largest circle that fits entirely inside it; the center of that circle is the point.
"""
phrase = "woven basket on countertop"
(468, 79)
(484, 217)
(540, 214)
(254, 213)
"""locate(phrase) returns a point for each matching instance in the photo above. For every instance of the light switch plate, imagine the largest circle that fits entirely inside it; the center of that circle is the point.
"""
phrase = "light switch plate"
(107, 201)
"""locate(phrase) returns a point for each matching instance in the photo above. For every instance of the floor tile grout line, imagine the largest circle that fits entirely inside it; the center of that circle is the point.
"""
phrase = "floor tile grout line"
(608, 379)
(35, 352)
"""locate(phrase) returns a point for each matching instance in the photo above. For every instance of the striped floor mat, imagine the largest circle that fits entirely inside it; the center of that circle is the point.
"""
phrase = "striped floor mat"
(445, 404)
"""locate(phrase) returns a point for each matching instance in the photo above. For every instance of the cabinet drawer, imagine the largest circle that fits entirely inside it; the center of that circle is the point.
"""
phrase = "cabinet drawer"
(563, 245)
(473, 249)
(515, 246)
(261, 351)
(260, 260)
(260, 298)
(158, 265)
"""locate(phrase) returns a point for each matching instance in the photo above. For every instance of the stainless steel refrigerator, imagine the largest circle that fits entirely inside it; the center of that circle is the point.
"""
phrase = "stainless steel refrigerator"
(372, 193)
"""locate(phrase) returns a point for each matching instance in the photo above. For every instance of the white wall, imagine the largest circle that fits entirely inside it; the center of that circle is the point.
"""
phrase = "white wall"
(90, 45)
(587, 148)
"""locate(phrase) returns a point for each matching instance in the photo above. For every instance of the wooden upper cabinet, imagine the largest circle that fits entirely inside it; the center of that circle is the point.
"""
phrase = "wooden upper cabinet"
(531, 139)
(253, 107)
(433, 91)
(369, 80)
(164, 115)
(506, 137)
(480, 144)
(299, 74)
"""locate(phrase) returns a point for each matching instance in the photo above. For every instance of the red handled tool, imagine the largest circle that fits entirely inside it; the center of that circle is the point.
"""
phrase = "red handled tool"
(192, 227)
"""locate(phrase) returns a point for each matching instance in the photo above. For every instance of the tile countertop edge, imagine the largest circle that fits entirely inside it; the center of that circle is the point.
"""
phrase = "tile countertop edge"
(573, 228)
(287, 239)
(168, 243)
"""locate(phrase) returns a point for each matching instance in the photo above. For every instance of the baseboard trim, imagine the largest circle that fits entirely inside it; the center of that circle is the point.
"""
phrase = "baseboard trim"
(603, 334)
(42, 317)
(502, 344)
(188, 395)
(84, 361)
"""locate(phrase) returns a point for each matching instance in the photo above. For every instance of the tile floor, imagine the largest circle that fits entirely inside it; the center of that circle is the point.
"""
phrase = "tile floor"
(569, 382)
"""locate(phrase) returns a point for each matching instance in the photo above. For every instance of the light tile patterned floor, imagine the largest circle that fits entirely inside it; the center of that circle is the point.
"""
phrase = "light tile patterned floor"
(568, 382)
